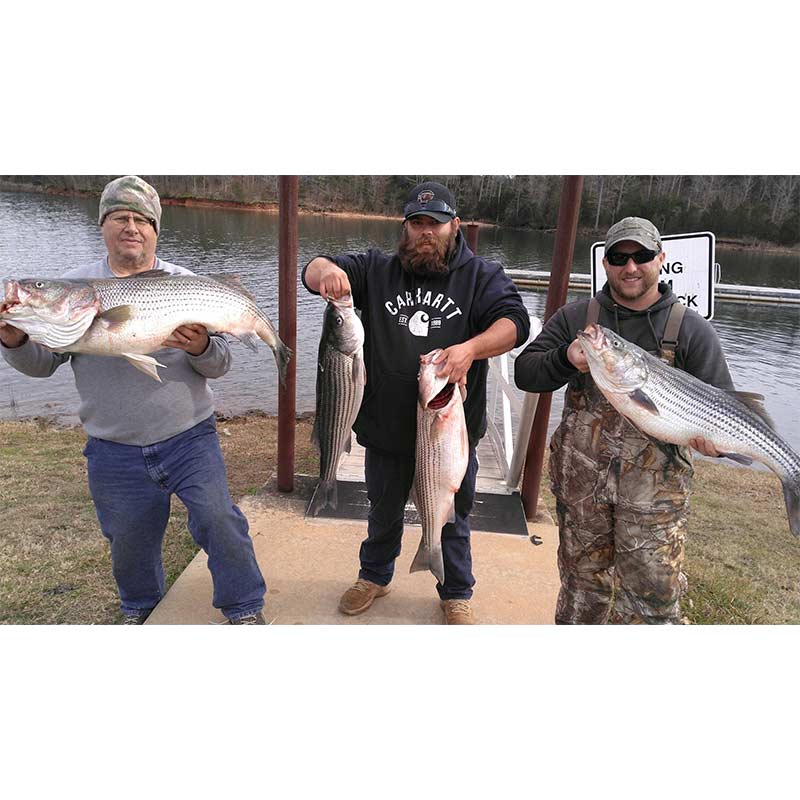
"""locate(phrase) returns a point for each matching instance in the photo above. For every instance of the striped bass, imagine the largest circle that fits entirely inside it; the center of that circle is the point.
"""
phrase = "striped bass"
(442, 456)
(341, 376)
(130, 317)
(672, 406)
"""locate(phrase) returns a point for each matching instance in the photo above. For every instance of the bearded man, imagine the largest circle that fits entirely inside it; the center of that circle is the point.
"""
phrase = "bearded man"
(433, 293)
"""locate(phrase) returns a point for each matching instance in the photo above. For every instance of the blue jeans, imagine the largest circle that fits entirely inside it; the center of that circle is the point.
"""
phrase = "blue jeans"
(389, 478)
(131, 488)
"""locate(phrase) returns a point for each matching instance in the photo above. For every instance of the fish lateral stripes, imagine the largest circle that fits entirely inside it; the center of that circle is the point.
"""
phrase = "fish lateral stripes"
(339, 391)
(636, 383)
(442, 456)
(136, 314)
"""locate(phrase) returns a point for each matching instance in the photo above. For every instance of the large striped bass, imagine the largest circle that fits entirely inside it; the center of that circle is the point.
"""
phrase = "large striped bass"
(340, 387)
(672, 406)
(130, 317)
(442, 456)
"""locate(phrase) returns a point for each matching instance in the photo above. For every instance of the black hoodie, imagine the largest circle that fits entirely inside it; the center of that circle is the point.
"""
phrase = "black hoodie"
(543, 365)
(406, 315)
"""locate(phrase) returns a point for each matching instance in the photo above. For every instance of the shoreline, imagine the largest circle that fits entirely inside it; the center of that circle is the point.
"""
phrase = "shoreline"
(270, 207)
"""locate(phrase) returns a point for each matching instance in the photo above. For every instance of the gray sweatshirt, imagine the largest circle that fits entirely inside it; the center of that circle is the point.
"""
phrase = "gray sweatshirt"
(122, 404)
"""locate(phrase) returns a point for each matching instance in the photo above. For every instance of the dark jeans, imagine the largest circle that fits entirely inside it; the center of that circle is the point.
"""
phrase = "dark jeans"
(131, 487)
(389, 478)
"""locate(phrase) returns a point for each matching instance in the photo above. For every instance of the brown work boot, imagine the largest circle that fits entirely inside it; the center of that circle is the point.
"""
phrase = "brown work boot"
(358, 598)
(457, 612)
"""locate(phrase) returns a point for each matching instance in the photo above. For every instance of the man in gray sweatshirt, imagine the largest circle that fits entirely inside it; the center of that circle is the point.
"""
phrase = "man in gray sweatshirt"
(150, 440)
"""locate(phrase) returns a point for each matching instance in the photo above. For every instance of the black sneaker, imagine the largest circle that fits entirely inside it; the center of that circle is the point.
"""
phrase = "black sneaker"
(250, 619)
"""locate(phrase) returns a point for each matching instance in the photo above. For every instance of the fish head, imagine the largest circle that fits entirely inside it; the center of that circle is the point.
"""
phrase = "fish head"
(616, 364)
(341, 326)
(435, 392)
(58, 301)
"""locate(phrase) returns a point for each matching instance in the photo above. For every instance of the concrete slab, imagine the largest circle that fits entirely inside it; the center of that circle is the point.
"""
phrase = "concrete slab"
(308, 563)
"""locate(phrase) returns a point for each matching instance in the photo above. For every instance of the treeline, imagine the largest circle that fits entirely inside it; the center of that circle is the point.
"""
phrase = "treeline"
(756, 207)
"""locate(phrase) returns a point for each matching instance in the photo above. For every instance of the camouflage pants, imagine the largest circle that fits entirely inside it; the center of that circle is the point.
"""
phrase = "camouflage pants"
(622, 505)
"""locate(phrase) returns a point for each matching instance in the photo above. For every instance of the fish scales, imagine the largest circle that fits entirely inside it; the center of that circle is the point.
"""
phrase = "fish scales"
(673, 406)
(442, 455)
(343, 398)
(339, 390)
(690, 406)
(130, 317)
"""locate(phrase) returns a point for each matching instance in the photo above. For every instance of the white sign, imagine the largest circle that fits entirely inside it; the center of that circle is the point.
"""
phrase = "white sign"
(688, 268)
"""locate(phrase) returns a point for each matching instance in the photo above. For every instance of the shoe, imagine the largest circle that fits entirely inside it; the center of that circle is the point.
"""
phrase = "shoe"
(358, 598)
(250, 619)
(136, 619)
(457, 612)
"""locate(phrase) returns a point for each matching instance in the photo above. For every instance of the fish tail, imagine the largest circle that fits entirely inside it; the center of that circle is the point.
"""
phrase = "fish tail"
(326, 496)
(429, 559)
(283, 354)
(791, 493)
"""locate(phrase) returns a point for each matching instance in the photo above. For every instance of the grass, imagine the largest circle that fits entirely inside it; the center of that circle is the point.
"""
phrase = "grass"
(742, 563)
(55, 566)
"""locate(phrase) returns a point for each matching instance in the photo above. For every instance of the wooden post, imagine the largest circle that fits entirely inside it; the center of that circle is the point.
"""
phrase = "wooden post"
(287, 326)
(568, 212)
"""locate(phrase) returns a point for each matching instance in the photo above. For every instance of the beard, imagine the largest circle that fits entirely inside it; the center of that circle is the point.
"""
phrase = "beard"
(429, 261)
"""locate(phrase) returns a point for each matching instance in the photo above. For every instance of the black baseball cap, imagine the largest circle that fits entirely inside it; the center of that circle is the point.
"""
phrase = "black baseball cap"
(430, 199)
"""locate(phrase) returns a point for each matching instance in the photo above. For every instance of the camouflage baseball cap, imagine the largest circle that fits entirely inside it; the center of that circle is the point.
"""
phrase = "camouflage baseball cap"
(131, 193)
(634, 229)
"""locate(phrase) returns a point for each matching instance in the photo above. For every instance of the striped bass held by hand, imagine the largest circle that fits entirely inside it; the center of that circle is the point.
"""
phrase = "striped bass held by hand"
(672, 406)
(442, 457)
(341, 376)
(132, 316)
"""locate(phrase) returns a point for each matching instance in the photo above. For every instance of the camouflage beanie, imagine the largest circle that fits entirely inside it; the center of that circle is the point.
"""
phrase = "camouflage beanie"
(131, 193)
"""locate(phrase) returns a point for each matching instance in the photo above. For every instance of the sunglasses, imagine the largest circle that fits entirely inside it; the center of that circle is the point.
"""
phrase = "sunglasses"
(639, 257)
(432, 205)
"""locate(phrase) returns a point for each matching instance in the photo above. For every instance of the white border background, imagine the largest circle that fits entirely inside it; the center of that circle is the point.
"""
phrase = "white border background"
(358, 88)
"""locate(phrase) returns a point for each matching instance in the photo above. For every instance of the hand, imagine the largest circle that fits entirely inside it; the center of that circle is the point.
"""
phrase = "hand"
(454, 362)
(191, 338)
(704, 446)
(11, 336)
(577, 357)
(333, 282)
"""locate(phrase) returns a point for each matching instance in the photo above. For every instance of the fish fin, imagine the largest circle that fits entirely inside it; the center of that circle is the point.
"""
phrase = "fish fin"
(422, 560)
(349, 443)
(115, 317)
(146, 364)
(325, 496)
(412, 495)
(249, 340)
(437, 564)
(791, 494)
(359, 370)
(746, 460)
(451, 514)
(283, 355)
(265, 331)
(429, 559)
(755, 402)
(234, 281)
(151, 273)
(641, 399)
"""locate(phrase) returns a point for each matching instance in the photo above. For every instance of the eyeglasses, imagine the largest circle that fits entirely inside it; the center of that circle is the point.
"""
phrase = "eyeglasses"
(639, 257)
(432, 205)
(122, 220)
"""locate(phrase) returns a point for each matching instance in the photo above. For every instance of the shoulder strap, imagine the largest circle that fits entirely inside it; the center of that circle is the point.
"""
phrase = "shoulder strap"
(593, 312)
(669, 342)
